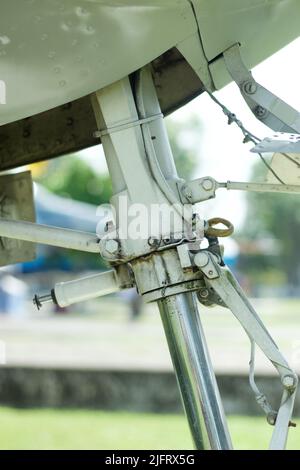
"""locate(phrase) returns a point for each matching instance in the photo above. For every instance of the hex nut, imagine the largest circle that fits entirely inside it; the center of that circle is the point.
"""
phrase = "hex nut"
(203, 293)
(288, 381)
(207, 184)
(112, 246)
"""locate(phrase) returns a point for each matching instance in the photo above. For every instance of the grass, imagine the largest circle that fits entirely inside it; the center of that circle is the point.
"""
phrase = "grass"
(86, 429)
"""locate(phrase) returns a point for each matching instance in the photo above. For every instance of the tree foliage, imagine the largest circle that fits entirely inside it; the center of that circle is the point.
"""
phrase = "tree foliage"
(278, 216)
(72, 177)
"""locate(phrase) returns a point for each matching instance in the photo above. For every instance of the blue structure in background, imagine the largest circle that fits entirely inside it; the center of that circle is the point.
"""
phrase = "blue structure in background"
(60, 212)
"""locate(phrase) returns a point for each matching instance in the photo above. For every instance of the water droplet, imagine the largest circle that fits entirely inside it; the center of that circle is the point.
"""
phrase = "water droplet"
(57, 69)
(51, 54)
(62, 83)
(4, 40)
(81, 11)
(44, 37)
(74, 42)
(90, 29)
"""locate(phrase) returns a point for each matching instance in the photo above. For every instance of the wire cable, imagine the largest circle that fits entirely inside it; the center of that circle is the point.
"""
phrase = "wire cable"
(249, 136)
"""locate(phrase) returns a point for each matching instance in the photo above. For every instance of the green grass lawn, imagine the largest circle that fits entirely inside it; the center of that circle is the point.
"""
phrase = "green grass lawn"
(82, 429)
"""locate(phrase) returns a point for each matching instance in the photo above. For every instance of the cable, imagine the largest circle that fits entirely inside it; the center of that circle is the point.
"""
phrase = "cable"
(249, 136)
(270, 168)
(232, 118)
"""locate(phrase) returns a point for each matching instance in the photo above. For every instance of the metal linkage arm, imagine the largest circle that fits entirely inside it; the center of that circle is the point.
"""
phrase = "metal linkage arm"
(205, 188)
(268, 108)
(260, 187)
(222, 281)
(49, 235)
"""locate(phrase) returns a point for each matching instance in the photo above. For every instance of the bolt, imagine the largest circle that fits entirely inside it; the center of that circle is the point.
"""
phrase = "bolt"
(97, 134)
(39, 300)
(186, 192)
(112, 246)
(201, 259)
(289, 382)
(109, 226)
(204, 293)
(271, 418)
(210, 272)
(250, 87)
(207, 184)
(260, 112)
(152, 241)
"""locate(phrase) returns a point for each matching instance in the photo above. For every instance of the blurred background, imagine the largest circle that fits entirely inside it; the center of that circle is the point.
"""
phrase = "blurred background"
(98, 374)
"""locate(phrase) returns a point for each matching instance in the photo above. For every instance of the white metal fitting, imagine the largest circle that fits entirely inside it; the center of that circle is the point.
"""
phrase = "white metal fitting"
(112, 246)
(289, 382)
(207, 184)
(201, 259)
(249, 87)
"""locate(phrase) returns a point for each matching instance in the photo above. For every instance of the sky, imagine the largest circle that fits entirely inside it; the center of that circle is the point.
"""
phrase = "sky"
(221, 152)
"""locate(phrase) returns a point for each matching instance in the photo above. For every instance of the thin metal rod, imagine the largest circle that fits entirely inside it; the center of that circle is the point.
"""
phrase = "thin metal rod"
(49, 235)
(261, 187)
(195, 376)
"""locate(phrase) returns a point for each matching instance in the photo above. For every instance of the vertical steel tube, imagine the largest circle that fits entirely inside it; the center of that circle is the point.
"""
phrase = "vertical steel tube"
(195, 376)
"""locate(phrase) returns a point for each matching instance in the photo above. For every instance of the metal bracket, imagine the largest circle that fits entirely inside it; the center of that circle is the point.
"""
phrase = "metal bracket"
(201, 189)
(281, 142)
(16, 202)
(266, 106)
(197, 190)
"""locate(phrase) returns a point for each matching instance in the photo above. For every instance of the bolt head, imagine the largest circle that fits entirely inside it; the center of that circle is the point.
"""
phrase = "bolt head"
(250, 87)
(204, 293)
(201, 259)
(289, 381)
(207, 184)
(186, 192)
(260, 112)
(112, 246)
(109, 226)
(153, 241)
(271, 418)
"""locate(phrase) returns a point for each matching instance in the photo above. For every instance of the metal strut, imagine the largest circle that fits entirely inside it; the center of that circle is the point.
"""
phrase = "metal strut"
(222, 281)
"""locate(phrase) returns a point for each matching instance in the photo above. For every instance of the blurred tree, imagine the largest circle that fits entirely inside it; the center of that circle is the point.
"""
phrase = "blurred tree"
(278, 216)
(72, 177)
(184, 139)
